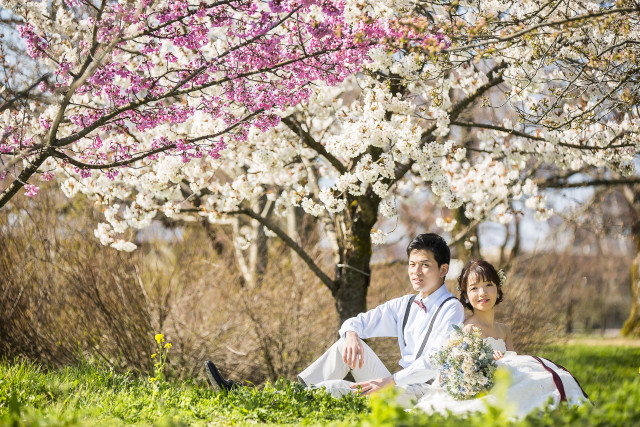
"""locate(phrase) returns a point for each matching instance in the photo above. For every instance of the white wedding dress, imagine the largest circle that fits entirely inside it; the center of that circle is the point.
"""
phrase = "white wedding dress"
(533, 381)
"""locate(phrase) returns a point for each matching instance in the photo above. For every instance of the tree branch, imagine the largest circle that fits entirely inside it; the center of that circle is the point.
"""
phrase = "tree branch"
(174, 93)
(70, 160)
(517, 34)
(22, 179)
(23, 93)
(76, 163)
(494, 127)
(292, 244)
(592, 183)
(457, 109)
(312, 143)
(538, 138)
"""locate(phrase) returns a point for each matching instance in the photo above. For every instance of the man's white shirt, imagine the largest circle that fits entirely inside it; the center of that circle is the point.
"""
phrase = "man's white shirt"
(386, 321)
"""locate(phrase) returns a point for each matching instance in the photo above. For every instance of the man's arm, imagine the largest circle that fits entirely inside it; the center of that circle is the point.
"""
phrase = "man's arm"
(378, 322)
(421, 371)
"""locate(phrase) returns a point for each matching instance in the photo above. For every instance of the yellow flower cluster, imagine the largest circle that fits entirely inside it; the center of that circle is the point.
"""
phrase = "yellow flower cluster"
(160, 357)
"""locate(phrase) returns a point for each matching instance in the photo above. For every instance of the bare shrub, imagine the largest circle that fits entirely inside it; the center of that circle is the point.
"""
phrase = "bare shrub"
(252, 333)
(67, 297)
(549, 295)
(531, 305)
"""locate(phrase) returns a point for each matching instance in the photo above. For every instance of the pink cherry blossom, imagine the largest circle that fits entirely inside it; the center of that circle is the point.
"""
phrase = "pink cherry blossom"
(31, 190)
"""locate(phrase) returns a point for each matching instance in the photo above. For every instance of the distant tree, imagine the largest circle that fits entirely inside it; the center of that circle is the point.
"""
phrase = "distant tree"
(612, 214)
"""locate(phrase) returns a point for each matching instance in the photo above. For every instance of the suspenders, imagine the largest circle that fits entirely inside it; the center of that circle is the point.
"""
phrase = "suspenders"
(433, 320)
(406, 315)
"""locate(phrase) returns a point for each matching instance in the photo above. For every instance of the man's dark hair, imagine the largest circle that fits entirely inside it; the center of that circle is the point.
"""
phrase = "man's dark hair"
(433, 243)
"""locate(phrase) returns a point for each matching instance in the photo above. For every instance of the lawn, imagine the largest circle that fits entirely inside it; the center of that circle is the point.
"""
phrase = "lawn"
(86, 395)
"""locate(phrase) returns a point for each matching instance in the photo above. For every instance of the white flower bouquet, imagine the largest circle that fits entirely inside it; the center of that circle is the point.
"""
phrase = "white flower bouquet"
(466, 364)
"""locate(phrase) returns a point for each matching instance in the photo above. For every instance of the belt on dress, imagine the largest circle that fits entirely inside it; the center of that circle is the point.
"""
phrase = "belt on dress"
(558, 381)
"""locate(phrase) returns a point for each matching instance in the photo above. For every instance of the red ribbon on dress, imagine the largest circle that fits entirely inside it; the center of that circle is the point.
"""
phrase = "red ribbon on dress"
(577, 382)
(556, 379)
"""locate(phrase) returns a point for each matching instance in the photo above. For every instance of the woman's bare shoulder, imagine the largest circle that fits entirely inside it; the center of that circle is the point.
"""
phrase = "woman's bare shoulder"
(505, 330)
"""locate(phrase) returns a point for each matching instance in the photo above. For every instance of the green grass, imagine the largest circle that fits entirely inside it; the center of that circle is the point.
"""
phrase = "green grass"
(91, 395)
(600, 370)
(88, 395)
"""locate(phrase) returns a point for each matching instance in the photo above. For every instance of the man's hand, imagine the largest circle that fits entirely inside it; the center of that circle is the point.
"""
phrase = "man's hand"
(353, 354)
(373, 386)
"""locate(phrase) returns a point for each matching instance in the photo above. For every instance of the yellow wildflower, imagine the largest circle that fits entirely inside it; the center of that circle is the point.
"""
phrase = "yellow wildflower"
(159, 338)
(168, 345)
(153, 355)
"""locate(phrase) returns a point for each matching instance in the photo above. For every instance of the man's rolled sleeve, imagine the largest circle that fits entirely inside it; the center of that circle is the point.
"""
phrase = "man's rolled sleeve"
(351, 324)
(414, 375)
(377, 322)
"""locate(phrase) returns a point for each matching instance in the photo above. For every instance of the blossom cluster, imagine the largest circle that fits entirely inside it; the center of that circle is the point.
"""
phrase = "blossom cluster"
(135, 79)
(467, 367)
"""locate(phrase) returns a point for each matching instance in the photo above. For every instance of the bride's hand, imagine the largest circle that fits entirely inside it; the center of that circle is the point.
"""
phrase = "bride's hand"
(497, 355)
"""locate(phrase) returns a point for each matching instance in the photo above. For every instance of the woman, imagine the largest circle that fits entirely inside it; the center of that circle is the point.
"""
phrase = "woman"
(534, 381)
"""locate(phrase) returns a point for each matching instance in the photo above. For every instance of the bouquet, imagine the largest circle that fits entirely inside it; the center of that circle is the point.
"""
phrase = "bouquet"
(466, 364)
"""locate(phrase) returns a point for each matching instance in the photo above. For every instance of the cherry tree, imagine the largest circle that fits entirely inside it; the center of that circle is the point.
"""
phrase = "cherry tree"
(496, 102)
(126, 79)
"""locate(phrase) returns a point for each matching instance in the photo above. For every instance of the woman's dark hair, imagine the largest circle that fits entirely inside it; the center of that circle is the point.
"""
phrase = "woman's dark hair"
(483, 270)
(433, 243)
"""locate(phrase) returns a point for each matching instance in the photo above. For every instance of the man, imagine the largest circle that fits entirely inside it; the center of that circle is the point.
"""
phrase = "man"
(422, 323)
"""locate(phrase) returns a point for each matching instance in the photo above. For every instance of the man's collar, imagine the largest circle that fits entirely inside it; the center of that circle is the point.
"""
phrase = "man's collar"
(434, 297)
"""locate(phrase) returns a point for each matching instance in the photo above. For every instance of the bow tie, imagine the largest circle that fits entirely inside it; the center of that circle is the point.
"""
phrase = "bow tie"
(421, 305)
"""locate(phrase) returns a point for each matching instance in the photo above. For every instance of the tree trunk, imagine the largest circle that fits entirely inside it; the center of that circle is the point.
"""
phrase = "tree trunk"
(352, 280)
(631, 327)
(353, 272)
(462, 222)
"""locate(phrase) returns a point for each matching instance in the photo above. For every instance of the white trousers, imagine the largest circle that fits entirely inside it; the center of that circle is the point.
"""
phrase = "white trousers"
(329, 370)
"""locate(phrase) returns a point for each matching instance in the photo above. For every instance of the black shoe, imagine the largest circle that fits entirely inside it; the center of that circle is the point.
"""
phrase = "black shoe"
(301, 381)
(216, 380)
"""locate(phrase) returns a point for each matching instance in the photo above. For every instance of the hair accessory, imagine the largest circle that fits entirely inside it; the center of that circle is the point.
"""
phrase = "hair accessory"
(502, 277)
(458, 288)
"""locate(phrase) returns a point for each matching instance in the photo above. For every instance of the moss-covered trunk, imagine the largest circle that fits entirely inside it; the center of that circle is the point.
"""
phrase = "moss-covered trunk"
(352, 278)
(353, 271)
(631, 327)
(462, 222)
